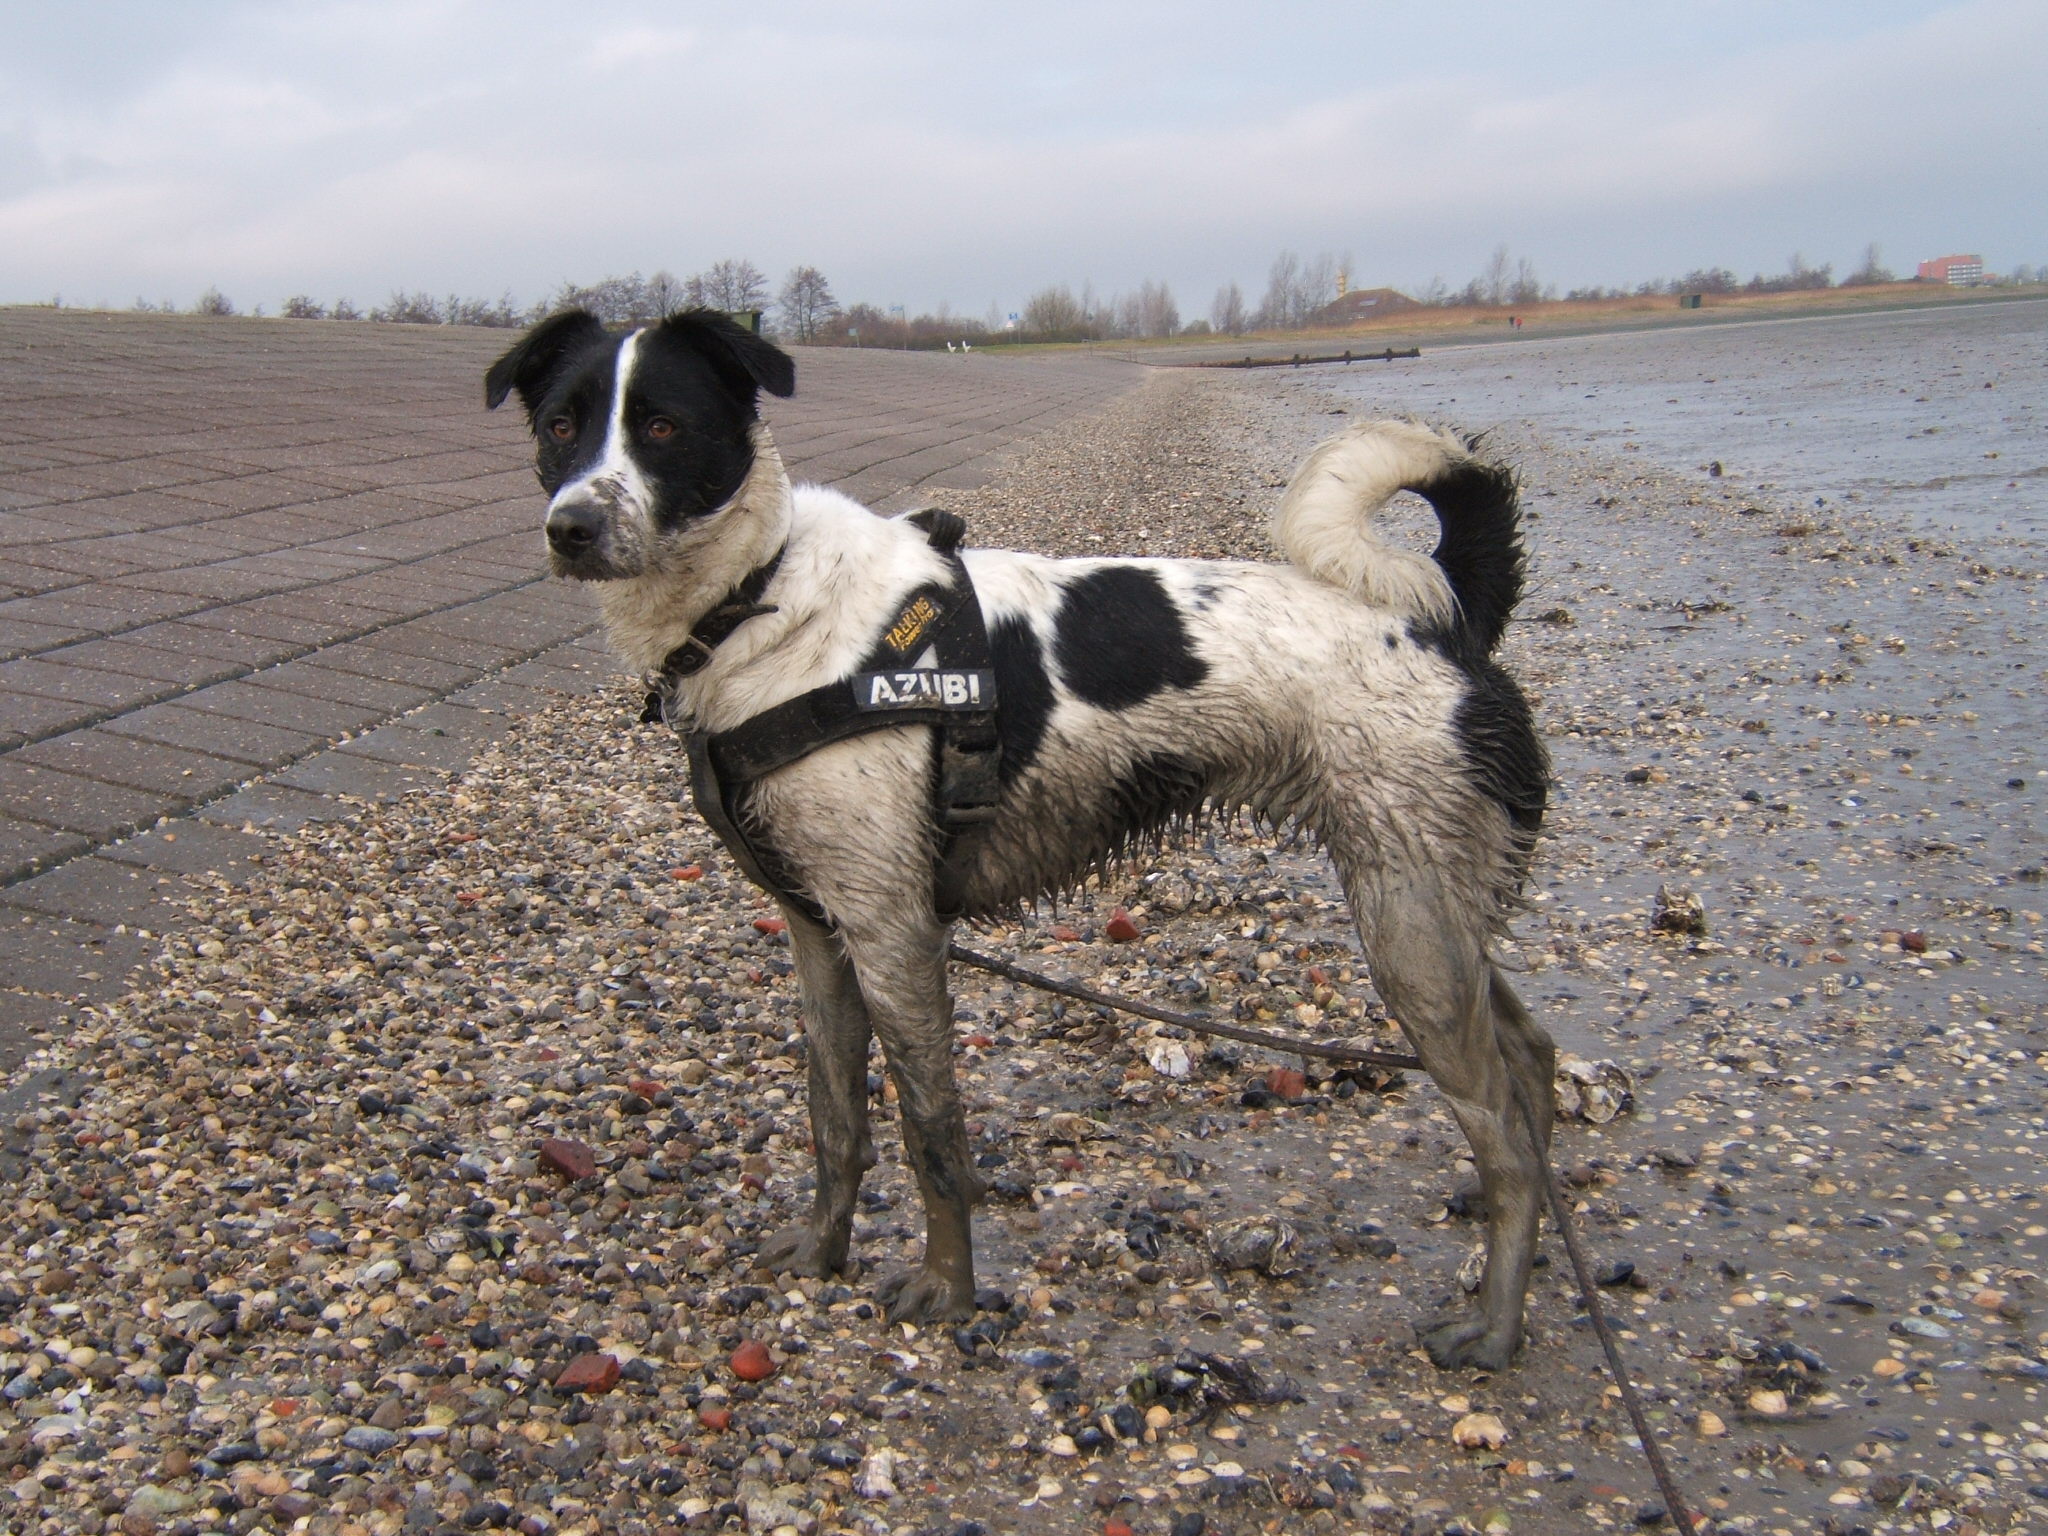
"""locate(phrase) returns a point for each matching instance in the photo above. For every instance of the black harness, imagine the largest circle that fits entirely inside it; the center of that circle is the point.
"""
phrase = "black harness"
(887, 691)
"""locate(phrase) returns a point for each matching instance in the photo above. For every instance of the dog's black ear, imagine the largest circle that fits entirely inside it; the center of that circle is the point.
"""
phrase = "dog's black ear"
(744, 360)
(528, 366)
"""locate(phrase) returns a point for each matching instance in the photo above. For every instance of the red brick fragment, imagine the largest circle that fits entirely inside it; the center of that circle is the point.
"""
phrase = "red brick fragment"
(571, 1159)
(646, 1087)
(1065, 934)
(770, 925)
(1287, 1082)
(752, 1362)
(593, 1374)
(717, 1420)
(687, 872)
(1121, 927)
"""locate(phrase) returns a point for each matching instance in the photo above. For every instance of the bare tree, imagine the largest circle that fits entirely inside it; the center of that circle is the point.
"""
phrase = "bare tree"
(664, 295)
(805, 302)
(1496, 281)
(1526, 288)
(1277, 308)
(1055, 314)
(1872, 271)
(213, 302)
(345, 310)
(404, 308)
(1226, 311)
(1158, 315)
(303, 307)
(732, 284)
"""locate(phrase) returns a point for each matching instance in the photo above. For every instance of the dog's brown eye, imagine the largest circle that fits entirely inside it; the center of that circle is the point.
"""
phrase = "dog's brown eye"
(561, 429)
(660, 427)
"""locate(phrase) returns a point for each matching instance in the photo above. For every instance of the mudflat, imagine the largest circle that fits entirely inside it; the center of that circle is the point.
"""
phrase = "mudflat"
(301, 1234)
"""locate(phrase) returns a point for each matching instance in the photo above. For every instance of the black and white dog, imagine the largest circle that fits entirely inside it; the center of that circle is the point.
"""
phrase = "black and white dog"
(1351, 689)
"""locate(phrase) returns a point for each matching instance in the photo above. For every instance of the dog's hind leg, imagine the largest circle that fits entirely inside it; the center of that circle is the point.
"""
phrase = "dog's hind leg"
(1477, 1041)
(903, 977)
(837, 1032)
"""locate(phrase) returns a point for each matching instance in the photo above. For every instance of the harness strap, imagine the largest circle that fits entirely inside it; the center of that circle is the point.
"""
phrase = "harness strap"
(957, 698)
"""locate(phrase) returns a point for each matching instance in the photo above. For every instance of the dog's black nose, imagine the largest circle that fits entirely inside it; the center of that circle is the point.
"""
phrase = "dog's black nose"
(573, 529)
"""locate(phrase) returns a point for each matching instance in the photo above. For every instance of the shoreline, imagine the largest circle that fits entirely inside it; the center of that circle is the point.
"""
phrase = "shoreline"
(374, 1278)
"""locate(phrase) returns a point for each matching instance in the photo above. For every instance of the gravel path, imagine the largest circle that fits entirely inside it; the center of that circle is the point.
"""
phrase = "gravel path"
(505, 1078)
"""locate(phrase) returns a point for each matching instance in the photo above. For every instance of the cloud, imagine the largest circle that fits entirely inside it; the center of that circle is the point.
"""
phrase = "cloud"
(927, 154)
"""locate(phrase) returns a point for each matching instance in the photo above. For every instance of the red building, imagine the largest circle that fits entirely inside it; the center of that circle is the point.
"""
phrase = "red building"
(1956, 271)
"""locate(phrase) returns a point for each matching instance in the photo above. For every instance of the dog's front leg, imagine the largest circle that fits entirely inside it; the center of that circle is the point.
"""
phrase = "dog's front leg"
(837, 1032)
(903, 977)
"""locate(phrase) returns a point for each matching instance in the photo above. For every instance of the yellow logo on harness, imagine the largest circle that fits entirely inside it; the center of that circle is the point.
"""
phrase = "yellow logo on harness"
(911, 624)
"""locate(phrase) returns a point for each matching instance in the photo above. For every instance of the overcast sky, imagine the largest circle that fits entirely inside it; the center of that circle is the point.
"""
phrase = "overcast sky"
(921, 152)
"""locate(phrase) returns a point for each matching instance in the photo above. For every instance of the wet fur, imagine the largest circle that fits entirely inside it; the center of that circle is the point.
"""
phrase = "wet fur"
(1351, 690)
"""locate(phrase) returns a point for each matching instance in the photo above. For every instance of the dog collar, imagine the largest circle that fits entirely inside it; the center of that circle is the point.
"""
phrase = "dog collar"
(741, 604)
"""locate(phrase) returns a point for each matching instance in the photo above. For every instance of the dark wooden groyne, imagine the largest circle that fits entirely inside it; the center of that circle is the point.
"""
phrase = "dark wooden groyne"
(1298, 361)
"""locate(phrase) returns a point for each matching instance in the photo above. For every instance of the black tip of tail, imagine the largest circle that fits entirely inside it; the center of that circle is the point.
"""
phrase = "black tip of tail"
(1479, 510)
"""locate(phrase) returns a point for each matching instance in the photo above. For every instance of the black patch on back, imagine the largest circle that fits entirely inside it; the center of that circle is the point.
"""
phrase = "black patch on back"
(1120, 639)
(1025, 692)
(1498, 733)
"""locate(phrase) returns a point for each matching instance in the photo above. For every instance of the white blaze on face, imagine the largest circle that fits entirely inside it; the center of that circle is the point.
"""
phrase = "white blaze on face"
(614, 480)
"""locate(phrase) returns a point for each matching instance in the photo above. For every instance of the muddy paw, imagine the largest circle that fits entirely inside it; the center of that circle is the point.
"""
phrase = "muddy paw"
(1466, 1343)
(921, 1296)
(798, 1250)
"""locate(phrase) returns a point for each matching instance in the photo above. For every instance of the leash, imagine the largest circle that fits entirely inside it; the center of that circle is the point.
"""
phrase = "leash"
(1675, 1505)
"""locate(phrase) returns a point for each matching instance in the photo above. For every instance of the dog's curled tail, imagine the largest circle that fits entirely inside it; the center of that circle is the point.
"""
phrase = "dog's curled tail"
(1468, 587)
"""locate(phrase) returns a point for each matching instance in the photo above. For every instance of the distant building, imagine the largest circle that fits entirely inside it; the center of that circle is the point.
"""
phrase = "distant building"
(1361, 304)
(1956, 271)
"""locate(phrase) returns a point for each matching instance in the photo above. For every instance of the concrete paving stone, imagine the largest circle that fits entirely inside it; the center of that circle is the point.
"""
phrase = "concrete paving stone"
(26, 847)
(260, 492)
(101, 609)
(189, 846)
(574, 679)
(174, 773)
(342, 772)
(227, 645)
(100, 891)
(265, 621)
(467, 722)
(26, 717)
(497, 695)
(22, 637)
(414, 748)
(369, 658)
(264, 744)
(125, 657)
(218, 582)
(301, 567)
(337, 618)
(23, 1016)
(257, 700)
(80, 685)
(414, 638)
(318, 681)
(64, 958)
(276, 807)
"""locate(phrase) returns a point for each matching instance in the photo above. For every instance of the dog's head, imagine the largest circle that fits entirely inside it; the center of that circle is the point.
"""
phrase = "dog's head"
(644, 437)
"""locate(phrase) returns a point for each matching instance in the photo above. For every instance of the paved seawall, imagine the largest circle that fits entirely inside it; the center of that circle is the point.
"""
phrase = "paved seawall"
(254, 566)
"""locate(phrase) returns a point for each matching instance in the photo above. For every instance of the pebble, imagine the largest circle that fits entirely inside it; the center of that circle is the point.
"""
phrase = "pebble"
(591, 1373)
(751, 1361)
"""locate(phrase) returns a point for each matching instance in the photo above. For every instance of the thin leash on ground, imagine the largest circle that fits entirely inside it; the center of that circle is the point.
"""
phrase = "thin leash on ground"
(1675, 1505)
